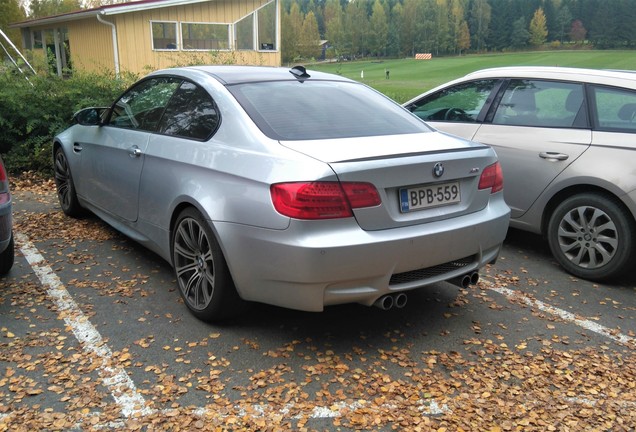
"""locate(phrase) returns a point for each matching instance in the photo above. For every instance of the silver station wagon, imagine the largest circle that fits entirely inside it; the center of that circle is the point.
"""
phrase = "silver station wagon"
(566, 139)
(283, 186)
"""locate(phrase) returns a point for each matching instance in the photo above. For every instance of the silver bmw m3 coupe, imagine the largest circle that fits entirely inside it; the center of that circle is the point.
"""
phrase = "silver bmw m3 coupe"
(283, 186)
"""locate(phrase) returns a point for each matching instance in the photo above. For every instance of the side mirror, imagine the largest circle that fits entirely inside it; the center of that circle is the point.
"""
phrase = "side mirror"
(89, 116)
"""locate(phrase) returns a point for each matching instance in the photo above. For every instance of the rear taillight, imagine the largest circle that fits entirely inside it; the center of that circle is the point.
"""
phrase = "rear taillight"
(322, 200)
(4, 186)
(492, 178)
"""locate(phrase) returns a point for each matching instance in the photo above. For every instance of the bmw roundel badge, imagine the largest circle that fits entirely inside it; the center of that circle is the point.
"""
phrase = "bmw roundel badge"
(438, 170)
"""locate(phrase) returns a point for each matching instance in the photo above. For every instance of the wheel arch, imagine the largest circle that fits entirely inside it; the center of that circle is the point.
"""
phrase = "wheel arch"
(183, 204)
(570, 191)
(57, 144)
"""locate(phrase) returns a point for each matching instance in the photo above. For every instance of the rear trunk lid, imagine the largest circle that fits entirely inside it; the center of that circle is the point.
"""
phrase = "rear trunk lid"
(421, 178)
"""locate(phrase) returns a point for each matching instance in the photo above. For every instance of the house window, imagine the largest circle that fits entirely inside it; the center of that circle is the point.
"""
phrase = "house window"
(200, 36)
(37, 39)
(164, 35)
(244, 33)
(266, 17)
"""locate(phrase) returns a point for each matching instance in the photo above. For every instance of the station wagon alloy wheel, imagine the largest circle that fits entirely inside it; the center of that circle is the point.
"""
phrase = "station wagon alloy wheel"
(591, 236)
(204, 280)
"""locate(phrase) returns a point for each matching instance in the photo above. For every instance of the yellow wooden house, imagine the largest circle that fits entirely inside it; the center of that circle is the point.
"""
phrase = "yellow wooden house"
(152, 34)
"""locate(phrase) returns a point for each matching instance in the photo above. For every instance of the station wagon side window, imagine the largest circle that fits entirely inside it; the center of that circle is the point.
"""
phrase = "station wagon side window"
(615, 109)
(543, 104)
(459, 103)
(191, 113)
(142, 106)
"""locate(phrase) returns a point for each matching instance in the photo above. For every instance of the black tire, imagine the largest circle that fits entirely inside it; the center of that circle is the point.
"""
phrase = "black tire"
(7, 258)
(592, 236)
(65, 187)
(204, 279)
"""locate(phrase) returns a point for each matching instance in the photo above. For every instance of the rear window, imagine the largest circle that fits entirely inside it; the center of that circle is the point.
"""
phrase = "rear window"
(310, 110)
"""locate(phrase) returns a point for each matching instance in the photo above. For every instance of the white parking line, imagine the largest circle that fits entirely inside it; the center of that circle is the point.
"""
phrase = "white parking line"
(114, 378)
(564, 315)
(132, 403)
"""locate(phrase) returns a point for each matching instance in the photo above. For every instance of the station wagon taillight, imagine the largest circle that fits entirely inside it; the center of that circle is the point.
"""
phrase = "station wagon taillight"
(492, 178)
(322, 200)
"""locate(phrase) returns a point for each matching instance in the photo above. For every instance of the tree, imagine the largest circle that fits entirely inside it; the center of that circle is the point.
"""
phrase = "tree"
(309, 37)
(45, 8)
(520, 34)
(538, 28)
(291, 27)
(460, 32)
(443, 36)
(463, 40)
(395, 30)
(334, 30)
(357, 28)
(577, 32)
(480, 15)
(408, 20)
(564, 20)
(10, 12)
(379, 35)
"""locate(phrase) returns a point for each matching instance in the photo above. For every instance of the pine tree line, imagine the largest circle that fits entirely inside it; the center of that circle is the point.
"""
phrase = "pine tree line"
(402, 28)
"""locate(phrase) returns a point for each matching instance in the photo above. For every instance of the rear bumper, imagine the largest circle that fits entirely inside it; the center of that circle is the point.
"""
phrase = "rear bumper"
(317, 263)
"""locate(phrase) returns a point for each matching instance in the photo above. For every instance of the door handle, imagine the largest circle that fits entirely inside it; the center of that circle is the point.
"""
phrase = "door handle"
(553, 156)
(77, 147)
(134, 151)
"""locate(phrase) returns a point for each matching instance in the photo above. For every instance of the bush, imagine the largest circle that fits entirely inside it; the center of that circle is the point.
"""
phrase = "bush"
(34, 110)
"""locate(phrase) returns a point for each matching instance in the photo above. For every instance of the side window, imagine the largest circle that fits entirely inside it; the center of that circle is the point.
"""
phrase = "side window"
(190, 114)
(205, 36)
(615, 109)
(543, 104)
(244, 33)
(460, 103)
(164, 35)
(142, 106)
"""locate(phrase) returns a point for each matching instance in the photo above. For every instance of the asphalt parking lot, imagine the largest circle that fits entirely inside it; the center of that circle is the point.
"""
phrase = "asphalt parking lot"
(94, 336)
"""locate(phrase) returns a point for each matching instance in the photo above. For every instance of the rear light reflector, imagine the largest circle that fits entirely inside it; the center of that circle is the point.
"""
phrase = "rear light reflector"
(492, 178)
(322, 200)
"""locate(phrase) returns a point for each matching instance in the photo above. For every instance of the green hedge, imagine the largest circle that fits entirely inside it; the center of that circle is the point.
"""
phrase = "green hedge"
(34, 110)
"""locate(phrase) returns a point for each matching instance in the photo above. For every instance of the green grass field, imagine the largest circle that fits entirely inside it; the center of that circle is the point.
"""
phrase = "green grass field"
(409, 77)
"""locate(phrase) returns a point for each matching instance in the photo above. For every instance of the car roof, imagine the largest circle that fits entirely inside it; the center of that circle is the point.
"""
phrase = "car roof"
(600, 76)
(232, 74)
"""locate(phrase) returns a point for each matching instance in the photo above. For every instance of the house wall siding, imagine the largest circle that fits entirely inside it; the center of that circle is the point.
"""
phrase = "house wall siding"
(91, 45)
(135, 45)
(92, 49)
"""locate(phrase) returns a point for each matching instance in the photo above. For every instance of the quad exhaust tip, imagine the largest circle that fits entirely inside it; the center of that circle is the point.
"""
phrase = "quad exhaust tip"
(466, 280)
(399, 300)
(389, 301)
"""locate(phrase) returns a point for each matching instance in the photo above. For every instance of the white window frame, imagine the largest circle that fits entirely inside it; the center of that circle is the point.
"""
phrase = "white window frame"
(229, 38)
(177, 35)
(276, 29)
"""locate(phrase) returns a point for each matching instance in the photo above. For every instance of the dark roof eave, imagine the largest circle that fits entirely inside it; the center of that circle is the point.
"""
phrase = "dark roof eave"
(57, 19)
(104, 10)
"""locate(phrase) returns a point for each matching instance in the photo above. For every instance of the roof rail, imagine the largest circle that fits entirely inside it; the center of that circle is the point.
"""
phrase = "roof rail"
(8, 42)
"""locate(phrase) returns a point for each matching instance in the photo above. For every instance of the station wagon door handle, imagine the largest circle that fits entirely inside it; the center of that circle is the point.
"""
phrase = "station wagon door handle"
(553, 156)
(134, 151)
(77, 147)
